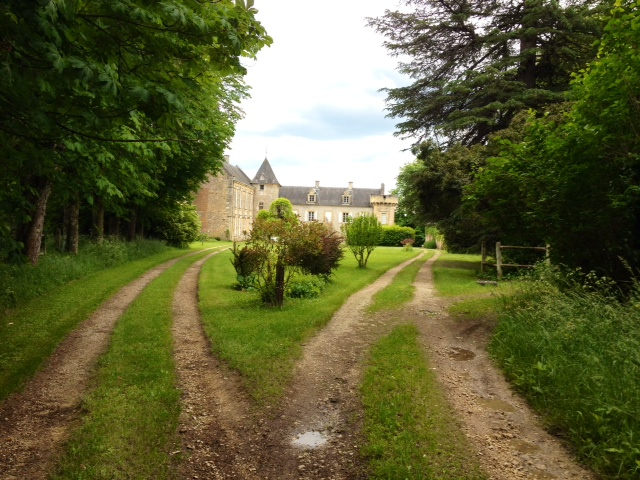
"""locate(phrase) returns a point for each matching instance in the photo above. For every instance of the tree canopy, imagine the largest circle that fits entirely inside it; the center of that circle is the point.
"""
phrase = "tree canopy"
(115, 103)
(475, 64)
(574, 180)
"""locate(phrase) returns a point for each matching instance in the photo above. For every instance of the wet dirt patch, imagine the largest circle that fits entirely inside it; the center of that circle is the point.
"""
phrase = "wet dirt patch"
(461, 354)
(496, 404)
(522, 446)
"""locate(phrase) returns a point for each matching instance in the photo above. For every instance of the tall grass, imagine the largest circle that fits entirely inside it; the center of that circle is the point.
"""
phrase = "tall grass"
(410, 430)
(576, 357)
(20, 283)
(263, 343)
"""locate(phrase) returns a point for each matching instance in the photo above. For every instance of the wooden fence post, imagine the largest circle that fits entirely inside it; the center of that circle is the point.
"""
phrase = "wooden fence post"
(547, 255)
(499, 260)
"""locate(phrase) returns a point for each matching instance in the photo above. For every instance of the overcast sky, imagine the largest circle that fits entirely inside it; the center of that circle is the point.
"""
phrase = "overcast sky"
(315, 104)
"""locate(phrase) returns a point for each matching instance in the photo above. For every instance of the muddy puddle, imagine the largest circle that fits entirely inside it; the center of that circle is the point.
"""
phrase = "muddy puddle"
(461, 354)
(310, 439)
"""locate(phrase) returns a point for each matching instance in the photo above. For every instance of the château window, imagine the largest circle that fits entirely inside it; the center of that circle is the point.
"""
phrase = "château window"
(311, 216)
(260, 205)
(261, 187)
(346, 199)
(311, 198)
(384, 219)
(345, 217)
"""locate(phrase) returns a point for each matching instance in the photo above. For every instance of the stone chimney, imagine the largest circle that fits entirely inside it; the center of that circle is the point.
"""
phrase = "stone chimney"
(382, 189)
(317, 183)
(350, 185)
(226, 158)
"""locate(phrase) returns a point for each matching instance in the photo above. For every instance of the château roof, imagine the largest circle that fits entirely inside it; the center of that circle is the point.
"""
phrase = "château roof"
(265, 174)
(236, 172)
(330, 196)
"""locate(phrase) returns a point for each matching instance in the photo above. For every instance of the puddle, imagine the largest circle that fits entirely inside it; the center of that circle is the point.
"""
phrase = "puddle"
(522, 446)
(310, 439)
(495, 404)
(461, 355)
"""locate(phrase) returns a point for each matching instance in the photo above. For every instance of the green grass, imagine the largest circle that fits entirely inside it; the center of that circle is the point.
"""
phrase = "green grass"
(31, 333)
(455, 274)
(401, 290)
(476, 308)
(132, 415)
(264, 343)
(410, 431)
(576, 357)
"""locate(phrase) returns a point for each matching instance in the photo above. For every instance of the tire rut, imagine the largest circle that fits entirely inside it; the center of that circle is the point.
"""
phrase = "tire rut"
(508, 437)
(323, 398)
(215, 424)
(36, 422)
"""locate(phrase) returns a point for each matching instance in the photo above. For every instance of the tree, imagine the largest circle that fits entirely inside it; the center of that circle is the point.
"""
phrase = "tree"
(279, 246)
(476, 63)
(116, 102)
(575, 178)
(362, 234)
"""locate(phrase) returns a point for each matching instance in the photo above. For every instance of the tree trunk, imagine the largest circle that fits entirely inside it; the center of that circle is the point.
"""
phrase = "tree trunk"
(528, 53)
(34, 237)
(98, 222)
(73, 233)
(133, 219)
(280, 275)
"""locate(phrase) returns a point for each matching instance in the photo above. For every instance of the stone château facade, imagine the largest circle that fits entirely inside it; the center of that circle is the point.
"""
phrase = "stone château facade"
(228, 203)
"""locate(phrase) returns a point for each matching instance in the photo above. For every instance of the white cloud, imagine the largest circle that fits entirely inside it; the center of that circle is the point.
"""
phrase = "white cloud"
(315, 102)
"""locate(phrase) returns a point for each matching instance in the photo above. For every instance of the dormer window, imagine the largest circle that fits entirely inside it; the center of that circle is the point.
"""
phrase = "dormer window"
(346, 199)
(311, 198)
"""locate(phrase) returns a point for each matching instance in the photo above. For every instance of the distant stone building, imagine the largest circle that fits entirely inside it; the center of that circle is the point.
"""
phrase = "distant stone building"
(228, 202)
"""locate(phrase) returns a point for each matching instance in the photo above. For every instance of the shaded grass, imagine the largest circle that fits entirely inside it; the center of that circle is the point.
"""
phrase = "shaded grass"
(455, 274)
(401, 290)
(475, 308)
(19, 283)
(410, 431)
(132, 415)
(264, 343)
(576, 357)
(31, 333)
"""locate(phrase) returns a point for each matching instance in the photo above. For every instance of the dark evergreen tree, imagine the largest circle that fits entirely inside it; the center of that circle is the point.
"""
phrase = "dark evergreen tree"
(476, 63)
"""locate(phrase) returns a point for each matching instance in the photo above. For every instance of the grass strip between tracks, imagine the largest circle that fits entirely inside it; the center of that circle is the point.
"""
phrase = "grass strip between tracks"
(132, 415)
(264, 343)
(401, 290)
(410, 431)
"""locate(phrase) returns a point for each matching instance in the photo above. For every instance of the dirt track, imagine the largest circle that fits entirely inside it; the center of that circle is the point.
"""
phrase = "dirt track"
(223, 436)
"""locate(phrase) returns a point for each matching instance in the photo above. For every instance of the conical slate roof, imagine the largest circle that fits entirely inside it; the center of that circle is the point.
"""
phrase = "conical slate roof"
(265, 174)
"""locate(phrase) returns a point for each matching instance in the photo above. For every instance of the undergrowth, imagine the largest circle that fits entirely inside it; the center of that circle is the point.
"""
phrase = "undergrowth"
(21, 282)
(576, 356)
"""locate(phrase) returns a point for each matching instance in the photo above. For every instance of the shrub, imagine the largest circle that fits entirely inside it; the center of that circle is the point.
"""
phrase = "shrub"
(362, 234)
(306, 287)
(178, 224)
(430, 244)
(393, 235)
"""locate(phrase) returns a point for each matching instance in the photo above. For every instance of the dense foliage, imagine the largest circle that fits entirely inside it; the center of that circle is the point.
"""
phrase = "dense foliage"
(394, 235)
(362, 235)
(475, 64)
(574, 354)
(107, 106)
(574, 180)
